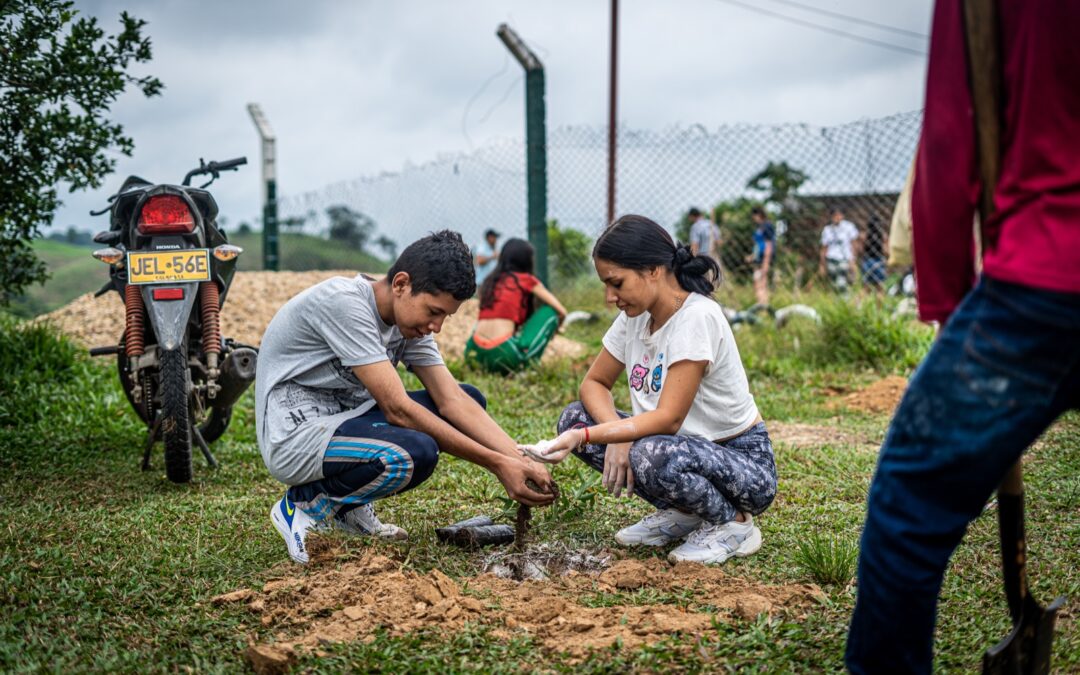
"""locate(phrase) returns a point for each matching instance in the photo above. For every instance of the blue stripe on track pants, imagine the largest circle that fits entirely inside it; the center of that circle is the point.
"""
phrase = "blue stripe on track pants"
(368, 458)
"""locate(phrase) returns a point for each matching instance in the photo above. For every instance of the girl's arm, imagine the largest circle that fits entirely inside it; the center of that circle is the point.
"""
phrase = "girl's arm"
(680, 388)
(548, 298)
(595, 390)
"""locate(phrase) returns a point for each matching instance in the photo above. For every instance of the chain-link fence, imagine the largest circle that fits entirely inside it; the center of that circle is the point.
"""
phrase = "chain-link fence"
(798, 173)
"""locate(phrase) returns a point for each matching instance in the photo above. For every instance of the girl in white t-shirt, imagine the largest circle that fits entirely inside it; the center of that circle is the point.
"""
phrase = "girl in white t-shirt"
(695, 446)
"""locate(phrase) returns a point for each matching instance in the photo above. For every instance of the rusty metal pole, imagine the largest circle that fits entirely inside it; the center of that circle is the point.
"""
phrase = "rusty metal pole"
(612, 111)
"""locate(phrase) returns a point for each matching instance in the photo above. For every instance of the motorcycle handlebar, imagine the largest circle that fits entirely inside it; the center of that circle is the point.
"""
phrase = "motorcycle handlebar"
(213, 168)
(228, 164)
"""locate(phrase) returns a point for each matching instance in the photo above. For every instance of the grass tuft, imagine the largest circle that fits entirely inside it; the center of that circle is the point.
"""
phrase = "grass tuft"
(828, 559)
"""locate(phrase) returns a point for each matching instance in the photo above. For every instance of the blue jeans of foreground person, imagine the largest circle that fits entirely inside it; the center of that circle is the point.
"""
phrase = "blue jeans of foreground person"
(1005, 366)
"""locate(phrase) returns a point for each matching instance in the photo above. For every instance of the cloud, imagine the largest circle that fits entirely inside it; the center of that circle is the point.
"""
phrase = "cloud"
(352, 89)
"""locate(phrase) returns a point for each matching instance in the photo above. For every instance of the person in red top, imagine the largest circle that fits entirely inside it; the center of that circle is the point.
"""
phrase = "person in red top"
(509, 335)
(1007, 361)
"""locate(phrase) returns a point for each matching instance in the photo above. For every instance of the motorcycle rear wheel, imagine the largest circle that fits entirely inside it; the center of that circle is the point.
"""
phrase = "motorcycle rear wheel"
(175, 419)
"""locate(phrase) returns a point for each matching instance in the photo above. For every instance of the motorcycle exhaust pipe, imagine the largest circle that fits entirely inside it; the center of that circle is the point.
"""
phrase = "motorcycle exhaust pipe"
(237, 374)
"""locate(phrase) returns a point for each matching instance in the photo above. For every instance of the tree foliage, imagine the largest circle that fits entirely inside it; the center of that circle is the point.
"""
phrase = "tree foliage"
(59, 75)
(568, 252)
(779, 180)
(349, 227)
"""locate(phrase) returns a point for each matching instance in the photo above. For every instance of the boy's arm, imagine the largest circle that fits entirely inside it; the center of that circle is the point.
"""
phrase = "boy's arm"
(381, 379)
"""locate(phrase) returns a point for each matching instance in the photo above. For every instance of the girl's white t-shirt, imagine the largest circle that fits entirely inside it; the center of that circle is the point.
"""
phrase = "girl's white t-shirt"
(698, 331)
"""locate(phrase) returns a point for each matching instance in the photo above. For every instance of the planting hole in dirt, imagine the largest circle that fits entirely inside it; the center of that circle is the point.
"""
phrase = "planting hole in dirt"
(544, 561)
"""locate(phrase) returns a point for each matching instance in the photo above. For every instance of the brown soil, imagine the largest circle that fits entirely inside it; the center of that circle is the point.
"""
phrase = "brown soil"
(813, 436)
(352, 601)
(880, 397)
(253, 299)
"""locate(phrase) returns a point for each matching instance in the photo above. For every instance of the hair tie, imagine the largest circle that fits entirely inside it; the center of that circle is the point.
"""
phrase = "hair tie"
(682, 255)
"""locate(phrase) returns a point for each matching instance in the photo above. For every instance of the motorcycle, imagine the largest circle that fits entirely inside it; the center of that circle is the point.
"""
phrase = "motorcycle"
(172, 265)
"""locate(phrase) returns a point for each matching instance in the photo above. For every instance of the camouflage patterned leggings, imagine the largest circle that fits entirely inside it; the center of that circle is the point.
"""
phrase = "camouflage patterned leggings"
(695, 475)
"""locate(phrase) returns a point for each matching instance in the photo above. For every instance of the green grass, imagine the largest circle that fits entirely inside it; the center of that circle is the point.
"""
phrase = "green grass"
(105, 567)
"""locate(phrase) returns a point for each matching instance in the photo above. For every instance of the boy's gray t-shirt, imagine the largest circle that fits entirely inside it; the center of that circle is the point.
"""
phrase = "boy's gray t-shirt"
(305, 387)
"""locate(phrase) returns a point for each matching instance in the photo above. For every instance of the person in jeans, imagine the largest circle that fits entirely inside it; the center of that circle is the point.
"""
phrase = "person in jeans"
(695, 446)
(875, 241)
(334, 421)
(762, 256)
(510, 334)
(1007, 361)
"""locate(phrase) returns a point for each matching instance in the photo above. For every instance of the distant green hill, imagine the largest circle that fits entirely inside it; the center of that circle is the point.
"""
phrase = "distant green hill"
(301, 252)
(73, 271)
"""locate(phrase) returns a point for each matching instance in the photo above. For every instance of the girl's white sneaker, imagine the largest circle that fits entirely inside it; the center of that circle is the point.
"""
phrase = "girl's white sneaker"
(659, 529)
(714, 544)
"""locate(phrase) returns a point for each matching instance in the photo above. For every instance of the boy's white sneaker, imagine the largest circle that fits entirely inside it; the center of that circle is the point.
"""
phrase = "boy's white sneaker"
(713, 544)
(659, 529)
(363, 521)
(293, 524)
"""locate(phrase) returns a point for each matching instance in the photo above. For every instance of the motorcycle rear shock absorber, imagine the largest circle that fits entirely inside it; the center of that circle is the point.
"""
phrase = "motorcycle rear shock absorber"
(210, 307)
(134, 336)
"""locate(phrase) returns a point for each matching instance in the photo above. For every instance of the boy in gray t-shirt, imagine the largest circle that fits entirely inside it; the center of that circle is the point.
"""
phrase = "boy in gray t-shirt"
(333, 419)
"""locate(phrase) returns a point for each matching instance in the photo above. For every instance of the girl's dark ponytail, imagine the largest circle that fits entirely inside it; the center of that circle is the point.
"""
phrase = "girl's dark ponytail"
(637, 243)
(695, 273)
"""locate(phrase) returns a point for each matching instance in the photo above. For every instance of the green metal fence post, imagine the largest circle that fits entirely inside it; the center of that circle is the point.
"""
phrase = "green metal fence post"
(270, 227)
(535, 146)
(536, 161)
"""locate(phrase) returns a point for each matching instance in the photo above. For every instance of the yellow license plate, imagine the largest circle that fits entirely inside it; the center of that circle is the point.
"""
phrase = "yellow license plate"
(168, 267)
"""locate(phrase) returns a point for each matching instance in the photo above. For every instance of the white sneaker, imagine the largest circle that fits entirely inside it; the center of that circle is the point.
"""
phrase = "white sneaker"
(658, 529)
(363, 521)
(293, 525)
(713, 544)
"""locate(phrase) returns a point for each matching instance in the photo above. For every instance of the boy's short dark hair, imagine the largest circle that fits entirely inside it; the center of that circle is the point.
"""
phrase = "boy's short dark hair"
(694, 212)
(757, 211)
(438, 263)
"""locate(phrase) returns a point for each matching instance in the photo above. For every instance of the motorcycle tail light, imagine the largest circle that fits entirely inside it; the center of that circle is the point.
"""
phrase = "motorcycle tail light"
(227, 252)
(109, 255)
(166, 214)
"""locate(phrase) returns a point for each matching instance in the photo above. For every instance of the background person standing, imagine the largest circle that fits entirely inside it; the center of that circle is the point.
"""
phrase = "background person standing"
(764, 252)
(874, 243)
(837, 252)
(486, 255)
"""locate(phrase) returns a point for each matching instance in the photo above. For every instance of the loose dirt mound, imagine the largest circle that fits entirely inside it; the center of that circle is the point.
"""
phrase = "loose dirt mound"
(253, 299)
(880, 397)
(354, 600)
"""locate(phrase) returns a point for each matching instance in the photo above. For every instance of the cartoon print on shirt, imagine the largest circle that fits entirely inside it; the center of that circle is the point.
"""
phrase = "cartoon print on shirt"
(637, 378)
(658, 372)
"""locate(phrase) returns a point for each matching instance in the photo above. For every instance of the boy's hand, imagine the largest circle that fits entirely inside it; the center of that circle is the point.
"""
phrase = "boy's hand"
(513, 475)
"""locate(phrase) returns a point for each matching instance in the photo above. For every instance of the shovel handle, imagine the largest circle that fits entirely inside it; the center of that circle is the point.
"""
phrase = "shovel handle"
(1013, 544)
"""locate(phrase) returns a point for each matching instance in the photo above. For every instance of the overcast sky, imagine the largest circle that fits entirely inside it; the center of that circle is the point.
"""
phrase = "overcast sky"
(355, 88)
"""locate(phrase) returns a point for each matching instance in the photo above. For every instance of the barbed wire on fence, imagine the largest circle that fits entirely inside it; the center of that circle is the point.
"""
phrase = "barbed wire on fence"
(859, 167)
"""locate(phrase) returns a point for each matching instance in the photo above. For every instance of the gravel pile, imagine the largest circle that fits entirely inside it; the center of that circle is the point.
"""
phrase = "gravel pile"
(253, 299)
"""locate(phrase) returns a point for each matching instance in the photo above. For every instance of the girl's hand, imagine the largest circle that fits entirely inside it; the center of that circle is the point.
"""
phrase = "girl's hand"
(618, 475)
(553, 452)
